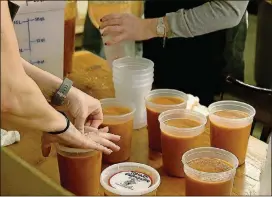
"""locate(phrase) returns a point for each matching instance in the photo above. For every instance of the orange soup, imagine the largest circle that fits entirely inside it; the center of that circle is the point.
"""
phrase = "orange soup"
(121, 128)
(175, 145)
(80, 172)
(228, 137)
(195, 187)
(154, 133)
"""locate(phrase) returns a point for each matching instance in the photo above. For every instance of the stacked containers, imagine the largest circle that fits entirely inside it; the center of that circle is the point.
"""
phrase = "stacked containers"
(133, 78)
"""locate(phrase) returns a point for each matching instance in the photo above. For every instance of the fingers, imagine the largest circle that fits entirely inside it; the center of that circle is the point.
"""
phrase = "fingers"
(92, 140)
(113, 22)
(96, 117)
(116, 39)
(104, 129)
(103, 141)
(110, 17)
(46, 144)
(111, 30)
(79, 123)
(110, 136)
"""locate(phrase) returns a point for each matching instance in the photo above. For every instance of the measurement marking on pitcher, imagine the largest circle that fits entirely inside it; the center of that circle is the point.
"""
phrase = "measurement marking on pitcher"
(39, 40)
(28, 31)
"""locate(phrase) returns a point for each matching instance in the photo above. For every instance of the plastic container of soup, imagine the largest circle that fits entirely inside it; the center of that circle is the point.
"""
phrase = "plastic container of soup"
(118, 116)
(209, 171)
(158, 101)
(79, 170)
(230, 126)
(180, 132)
(130, 179)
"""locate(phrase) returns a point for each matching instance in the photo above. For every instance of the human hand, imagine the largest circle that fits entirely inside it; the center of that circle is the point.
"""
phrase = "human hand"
(95, 139)
(85, 109)
(127, 27)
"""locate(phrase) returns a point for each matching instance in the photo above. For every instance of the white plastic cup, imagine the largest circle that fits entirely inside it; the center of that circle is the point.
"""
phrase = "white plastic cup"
(135, 95)
(231, 134)
(119, 50)
(133, 83)
(127, 77)
(115, 169)
(133, 65)
(198, 183)
(83, 181)
(175, 141)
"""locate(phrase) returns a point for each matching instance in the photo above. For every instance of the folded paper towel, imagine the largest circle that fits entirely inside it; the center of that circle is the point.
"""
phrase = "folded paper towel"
(9, 137)
(193, 104)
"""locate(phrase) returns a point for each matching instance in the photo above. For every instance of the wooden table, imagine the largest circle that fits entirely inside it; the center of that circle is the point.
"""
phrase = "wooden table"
(92, 75)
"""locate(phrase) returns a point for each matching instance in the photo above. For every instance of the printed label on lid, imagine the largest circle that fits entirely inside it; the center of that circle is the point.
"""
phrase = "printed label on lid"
(130, 181)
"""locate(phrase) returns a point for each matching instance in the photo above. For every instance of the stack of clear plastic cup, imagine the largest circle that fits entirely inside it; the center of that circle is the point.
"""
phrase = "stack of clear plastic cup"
(133, 78)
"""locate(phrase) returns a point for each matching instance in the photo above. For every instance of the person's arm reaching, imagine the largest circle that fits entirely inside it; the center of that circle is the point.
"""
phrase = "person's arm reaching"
(83, 108)
(22, 103)
(209, 17)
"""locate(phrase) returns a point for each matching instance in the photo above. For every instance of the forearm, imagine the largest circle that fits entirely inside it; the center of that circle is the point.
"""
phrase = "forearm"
(209, 17)
(47, 82)
(24, 107)
(22, 103)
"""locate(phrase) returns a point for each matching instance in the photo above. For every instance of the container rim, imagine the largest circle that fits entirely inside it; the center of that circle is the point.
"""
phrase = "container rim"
(209, 149)
(132, 193)
(183, 111)
(162, 91)
(72, 150)
(232, 103)
(121, 103)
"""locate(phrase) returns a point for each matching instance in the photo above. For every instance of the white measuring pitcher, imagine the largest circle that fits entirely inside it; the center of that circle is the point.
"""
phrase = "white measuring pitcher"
(39, 27)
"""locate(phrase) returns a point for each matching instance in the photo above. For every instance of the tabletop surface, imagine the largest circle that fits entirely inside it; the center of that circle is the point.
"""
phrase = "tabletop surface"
(91, 74)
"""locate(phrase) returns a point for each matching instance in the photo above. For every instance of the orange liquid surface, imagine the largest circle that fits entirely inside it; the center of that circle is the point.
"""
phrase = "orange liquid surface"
(234, 140)
(69, 45)
(154, 132)
(121, 128)
(80, 173)
(196, 187)
(174, 146)
(99, 10)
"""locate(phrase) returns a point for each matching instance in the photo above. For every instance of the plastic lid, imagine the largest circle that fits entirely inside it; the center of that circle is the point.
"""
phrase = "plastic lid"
(130, 181)
(129, 178)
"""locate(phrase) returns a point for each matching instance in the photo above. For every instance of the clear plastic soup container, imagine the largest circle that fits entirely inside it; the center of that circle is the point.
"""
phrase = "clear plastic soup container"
(134, 78)
(133, 83)
(199, 183)
(79, 170)
(175, 141)
(231, 133)
(138, 187)
(165, 93)
(133, 65)
(133, 87)
(154, 110)
(121, 125)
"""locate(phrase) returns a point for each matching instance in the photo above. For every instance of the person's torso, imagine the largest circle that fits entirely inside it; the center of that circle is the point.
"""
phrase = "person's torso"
(189, 52)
